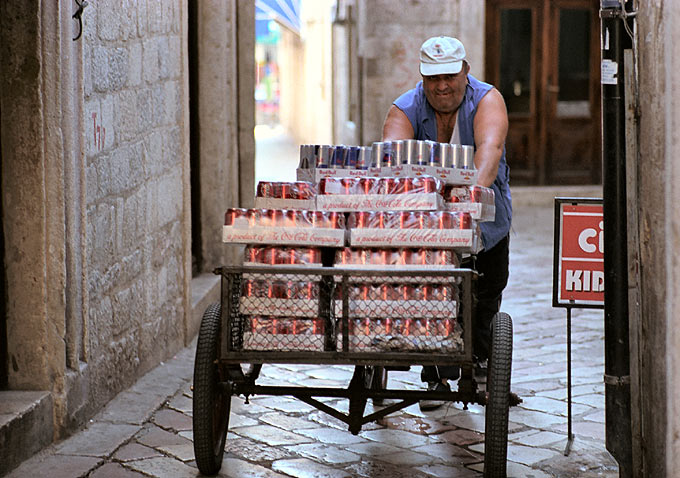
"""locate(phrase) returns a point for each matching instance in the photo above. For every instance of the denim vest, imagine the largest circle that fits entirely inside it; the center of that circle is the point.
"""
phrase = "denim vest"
(422, 117)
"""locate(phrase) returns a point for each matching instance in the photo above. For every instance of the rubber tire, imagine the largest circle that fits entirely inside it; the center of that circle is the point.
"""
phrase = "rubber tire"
(211, 403)
(498, 402)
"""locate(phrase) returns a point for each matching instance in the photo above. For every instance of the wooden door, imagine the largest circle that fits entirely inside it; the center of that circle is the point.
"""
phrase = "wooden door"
(543, 56)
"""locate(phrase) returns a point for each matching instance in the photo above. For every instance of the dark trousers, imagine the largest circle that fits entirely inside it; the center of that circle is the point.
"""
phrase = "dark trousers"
(492, 266)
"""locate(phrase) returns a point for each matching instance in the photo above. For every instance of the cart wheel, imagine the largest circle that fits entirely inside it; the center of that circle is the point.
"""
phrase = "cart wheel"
(376, 379)
(498, 387)
(211, 403)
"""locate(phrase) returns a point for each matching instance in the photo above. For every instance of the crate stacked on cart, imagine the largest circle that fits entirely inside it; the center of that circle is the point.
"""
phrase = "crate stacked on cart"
(350, 214)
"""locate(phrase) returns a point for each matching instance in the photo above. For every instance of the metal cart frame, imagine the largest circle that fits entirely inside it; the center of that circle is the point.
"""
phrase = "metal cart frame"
(218, 372)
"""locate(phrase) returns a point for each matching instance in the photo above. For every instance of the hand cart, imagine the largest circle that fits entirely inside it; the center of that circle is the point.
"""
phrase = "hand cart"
(244, 331)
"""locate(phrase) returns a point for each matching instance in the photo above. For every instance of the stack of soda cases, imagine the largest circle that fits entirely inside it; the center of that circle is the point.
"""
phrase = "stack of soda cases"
(281, 310)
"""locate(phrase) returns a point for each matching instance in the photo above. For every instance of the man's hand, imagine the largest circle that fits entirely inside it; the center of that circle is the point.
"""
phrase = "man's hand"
(491, 128)
(397, 125)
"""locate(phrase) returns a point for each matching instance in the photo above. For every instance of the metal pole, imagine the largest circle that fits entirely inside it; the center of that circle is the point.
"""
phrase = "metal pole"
(617, 359)
(570, 434)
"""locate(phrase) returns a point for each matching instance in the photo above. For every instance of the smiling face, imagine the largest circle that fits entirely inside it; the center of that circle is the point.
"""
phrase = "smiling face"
(445, 92)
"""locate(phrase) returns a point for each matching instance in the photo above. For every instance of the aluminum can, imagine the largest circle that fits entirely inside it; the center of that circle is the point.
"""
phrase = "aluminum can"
(323, 159)
(436, 155)
(351, 157)
(456, 156)
(368, 185)
(304, 190)
(363, 218)
(445, 154)
(468, 157)
(422, 153)
(334, 219)
(276, 190)
(287, 191)
(465, 221)
(397, 152)
(253, 216)
(264, 189)
(275, 217)
(305, 156)
(430, 184)
(338, 157)
(254, 254)
(410, 151)
(386, 160)
(364, 158)
(233, 214)
(428, 152)
(377, 153)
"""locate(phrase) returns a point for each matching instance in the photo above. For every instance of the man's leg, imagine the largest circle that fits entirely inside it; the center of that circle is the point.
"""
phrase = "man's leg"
(493, 268)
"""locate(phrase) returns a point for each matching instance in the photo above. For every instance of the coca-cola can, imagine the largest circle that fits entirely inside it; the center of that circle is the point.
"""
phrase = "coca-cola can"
(319, 219)
(406, 292)
(368, 185)
(233, 215)
(286, 190)
(476, 193)
(248, 288)
(465, 220)
(304, 190)
(336, 220)
(468, 157)
(275, 217)
(405, 257)
(276, 190)
(254, 254)
(363, 219)
(253, 217)
(313, 256)
(264, 189)
(430, 184)
(444, 220)
(322, 185)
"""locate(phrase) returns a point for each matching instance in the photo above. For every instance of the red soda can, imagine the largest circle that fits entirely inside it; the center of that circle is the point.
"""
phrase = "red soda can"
(304, 190)
(347, 185)
(430, 184)
(407, 292)
(322, 185)
(248, 288)
(465, 220)
(292, 256)
(408, 185)
(291, 216)
(286, 190)
(385, 257)
(264, 189)
(313, 256)
(345, 256)
(381, 219)
(269, 255)
(427, 292)
(253, 217)
(232, 215)
(405, 257)
(404, 219)
(368, 185)
(254, 254)
(476, 193)
(444, 220)
(276, 190)
(363, 218)
(335, 220)
(275, 217)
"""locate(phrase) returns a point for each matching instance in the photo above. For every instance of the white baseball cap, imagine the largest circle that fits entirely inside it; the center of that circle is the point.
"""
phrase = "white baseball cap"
(441, 56)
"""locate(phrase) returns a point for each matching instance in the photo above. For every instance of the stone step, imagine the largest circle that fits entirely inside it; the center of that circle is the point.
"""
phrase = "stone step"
(26, 426)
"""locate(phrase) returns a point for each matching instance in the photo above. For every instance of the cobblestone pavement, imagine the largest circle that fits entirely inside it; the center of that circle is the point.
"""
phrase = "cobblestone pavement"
(147, 431)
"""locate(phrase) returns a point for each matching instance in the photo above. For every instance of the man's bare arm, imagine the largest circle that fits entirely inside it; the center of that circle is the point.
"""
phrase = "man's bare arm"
(397, 125)
(491, 128)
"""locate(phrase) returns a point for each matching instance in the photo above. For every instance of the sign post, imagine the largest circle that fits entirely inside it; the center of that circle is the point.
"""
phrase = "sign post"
(578, 267)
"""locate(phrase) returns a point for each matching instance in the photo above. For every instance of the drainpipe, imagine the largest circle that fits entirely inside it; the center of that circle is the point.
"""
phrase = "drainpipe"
(616, 353)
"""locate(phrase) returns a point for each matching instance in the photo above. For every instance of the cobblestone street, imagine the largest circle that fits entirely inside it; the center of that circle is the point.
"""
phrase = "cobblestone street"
(146, 430)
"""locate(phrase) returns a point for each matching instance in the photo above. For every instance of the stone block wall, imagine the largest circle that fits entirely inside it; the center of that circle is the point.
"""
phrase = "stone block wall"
(135, 188)
(390, 35)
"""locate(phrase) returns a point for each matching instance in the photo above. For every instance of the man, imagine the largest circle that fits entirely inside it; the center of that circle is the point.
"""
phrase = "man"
(450, 105)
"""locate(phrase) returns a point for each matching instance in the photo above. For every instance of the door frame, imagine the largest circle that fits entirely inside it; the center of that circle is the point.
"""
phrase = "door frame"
(543, 73)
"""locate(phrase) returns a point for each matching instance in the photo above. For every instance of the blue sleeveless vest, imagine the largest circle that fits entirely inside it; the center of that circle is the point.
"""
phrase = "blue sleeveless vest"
(422, 117)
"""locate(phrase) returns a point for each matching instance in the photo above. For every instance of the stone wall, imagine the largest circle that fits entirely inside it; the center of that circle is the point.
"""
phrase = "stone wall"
(659, 229)
(136, 188)
(390, 35)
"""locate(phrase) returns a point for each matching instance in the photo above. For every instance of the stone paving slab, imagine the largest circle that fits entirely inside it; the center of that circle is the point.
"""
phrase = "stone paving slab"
(151, 434)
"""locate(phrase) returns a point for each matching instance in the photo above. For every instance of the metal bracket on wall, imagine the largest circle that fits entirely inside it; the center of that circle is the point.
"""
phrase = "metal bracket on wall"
(79, 16)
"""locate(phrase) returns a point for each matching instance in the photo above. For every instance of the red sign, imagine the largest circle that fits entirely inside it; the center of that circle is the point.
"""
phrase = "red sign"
(581, 255)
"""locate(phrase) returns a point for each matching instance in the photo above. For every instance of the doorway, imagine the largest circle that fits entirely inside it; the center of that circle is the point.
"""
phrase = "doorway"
(543, 55)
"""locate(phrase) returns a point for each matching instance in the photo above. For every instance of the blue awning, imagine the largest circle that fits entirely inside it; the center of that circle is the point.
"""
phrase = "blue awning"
(285, 12)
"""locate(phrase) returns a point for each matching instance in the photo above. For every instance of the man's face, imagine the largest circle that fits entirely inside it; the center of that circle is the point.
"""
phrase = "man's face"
(445, 92)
